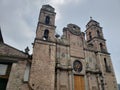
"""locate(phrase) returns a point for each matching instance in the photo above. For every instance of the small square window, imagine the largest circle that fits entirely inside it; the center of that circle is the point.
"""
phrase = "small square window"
(3, 69)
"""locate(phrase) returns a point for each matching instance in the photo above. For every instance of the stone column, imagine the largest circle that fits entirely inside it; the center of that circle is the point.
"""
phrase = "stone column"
(99, 82)
(102, 83)
(89, 86)
(86, 82)
(70, 80)
(58, 79)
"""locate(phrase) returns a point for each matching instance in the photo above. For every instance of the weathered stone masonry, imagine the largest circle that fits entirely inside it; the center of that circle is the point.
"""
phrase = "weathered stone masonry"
(69, 62)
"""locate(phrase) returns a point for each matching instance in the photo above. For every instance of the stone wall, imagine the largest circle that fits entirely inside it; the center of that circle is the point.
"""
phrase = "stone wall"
(16, 78)
(42, 74)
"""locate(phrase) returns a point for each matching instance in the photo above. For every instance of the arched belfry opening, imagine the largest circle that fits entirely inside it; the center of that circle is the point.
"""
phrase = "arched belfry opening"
(47, 20)
(98, 33)
(101, 46)
(46, 34)
(90, 36)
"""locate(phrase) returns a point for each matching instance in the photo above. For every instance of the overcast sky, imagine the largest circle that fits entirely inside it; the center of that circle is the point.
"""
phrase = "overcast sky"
(18, 21)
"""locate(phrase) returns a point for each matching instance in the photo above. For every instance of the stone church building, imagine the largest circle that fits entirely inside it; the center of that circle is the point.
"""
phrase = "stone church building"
(75, 61)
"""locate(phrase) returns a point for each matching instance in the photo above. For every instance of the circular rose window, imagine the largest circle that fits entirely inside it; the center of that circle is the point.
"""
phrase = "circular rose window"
(77, 66)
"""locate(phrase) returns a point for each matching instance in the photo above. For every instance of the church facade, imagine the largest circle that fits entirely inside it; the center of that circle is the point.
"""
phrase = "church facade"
(75, 61)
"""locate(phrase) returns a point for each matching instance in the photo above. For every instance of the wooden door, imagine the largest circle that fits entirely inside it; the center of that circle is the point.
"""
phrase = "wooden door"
(79, 83)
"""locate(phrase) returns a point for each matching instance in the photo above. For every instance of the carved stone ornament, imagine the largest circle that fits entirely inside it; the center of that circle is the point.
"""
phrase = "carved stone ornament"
(75, 32)
(74, 29)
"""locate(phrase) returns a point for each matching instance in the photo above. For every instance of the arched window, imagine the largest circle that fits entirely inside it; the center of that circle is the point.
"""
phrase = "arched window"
(46, 34)
(98, 33)
(106, 66)
(105, 61)
(47, 20)
(101, 46)
(90, 36)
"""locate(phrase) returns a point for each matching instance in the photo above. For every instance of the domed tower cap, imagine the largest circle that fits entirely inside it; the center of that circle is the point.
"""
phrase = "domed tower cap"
(48, 8)
(92, 22)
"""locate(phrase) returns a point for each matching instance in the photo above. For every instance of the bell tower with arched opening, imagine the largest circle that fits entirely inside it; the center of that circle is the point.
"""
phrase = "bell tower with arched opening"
(46, 24)
(42, 76)
(102, 60)
(95, 36)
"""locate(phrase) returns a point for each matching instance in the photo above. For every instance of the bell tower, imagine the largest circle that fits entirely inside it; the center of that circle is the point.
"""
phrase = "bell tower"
(42, 75)
(46, 23)
(95, 36)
